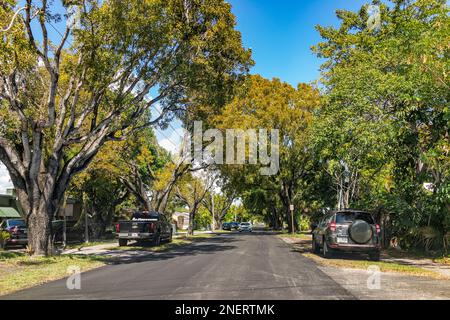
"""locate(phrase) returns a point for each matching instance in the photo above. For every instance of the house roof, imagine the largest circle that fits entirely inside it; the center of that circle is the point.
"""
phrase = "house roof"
(8, 212)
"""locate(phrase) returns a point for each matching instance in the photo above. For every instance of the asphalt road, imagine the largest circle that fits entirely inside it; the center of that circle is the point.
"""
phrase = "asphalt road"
(257, 266)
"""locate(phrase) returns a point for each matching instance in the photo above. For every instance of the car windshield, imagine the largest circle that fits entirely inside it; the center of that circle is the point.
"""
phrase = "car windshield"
(245, 224)
(346, 217)
(16, 223)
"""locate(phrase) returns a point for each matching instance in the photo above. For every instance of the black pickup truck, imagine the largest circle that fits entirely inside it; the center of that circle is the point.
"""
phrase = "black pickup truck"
(144, 226)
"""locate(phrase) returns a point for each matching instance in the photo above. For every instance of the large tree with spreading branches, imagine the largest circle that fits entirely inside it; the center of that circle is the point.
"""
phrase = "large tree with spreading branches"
(116, 67)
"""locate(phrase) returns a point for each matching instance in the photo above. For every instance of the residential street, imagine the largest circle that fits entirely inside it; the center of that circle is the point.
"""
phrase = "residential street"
(230, 266)
(234, 266)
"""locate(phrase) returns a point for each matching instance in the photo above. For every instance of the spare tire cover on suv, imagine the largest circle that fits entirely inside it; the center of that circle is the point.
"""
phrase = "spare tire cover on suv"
(360, 231)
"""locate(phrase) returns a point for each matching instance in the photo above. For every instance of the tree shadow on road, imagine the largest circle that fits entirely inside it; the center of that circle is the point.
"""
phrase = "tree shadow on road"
(197, 247)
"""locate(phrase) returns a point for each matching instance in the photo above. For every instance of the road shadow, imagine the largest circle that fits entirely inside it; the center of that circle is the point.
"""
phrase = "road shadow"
(197, 247)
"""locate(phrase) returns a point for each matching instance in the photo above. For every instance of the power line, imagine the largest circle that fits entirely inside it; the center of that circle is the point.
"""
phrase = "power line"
(170, 125)
(164, 135)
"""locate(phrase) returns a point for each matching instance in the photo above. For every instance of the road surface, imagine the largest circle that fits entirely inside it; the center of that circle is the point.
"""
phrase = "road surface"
(257, 266)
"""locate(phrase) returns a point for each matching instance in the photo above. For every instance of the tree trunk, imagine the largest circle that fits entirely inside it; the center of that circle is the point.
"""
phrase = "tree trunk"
(192, 214)
(40, 229)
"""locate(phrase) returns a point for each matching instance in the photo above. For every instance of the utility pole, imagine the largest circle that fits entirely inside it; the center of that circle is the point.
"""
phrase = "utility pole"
(291, 207)
(64, 229)
(213, 215)
(86, 227)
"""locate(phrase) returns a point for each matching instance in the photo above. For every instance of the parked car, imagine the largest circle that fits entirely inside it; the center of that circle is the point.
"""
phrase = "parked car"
(234, 225)
(245, 226)
(17, 228)
(347, 231)
(145, 226)
(226, 226)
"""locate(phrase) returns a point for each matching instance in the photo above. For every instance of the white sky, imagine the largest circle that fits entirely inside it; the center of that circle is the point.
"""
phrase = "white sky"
(5, 182)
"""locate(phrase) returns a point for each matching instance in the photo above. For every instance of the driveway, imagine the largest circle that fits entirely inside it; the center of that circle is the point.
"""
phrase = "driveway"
(257, 266)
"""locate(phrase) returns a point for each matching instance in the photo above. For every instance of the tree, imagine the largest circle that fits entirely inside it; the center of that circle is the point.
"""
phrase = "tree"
(191, 191)
(61, 102)
(218, 205)
(110, 179)
(387, 90)
(273, 104)
(102, 194)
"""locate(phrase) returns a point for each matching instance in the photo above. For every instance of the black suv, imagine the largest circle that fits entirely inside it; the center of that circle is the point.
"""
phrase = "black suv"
(347, 230)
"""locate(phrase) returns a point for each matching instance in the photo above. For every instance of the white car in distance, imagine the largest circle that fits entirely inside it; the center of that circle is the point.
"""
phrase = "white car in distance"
(245, 226)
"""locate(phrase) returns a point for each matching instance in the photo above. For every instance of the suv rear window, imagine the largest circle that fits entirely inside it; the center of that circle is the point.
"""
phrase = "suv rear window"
(346, 217)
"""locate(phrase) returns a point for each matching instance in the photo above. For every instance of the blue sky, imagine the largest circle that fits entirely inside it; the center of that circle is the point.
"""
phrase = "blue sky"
(280, 34)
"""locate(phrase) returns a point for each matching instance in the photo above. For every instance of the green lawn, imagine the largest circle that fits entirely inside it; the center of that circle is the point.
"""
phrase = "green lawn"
(19, 271)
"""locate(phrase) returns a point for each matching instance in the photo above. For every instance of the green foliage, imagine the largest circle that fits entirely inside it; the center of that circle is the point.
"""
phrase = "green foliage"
(203, 219)
(263, 103)
(383, 131)
(4, 237)
(304, 223)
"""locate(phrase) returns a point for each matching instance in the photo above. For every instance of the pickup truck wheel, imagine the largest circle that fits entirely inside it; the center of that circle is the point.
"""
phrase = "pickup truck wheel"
(315, 247)
(157, 240)
(123, 242)
(327, 254)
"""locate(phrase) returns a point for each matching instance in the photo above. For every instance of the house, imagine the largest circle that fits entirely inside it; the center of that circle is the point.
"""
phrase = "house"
(181, 219)
(72, 210)
(9, 206)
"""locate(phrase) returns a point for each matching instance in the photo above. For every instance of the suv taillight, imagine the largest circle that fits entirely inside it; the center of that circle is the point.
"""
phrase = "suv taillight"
(117, 228)
(151, 227)
(332, 226)
(377, 226)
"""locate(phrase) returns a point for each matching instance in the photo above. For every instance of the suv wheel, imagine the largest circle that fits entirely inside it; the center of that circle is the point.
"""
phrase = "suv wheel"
(315, 247)
(374, 256)
(326, 251)
(123, 242)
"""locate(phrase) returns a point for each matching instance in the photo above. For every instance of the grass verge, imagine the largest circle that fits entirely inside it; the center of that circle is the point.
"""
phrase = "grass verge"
(19, 271)
(443, 260)
(384, 266)
(303, 246)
